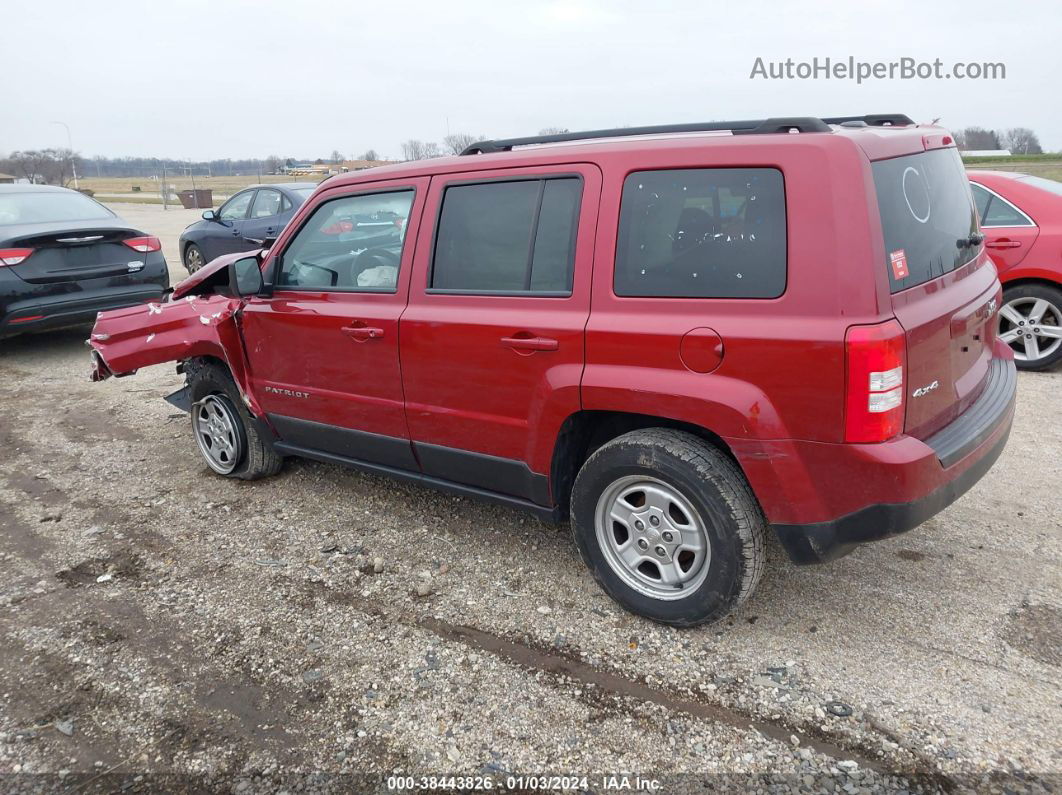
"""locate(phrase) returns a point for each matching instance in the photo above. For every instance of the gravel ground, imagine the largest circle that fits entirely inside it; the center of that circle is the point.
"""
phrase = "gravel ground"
(166, 628)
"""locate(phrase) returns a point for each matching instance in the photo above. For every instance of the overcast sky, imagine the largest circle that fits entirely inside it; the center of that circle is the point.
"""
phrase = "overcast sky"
(247, 79)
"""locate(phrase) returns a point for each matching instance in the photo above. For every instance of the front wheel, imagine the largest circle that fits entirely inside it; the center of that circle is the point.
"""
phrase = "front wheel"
(1031, 323)
(669, 526)
(224, 430)
(193, 258)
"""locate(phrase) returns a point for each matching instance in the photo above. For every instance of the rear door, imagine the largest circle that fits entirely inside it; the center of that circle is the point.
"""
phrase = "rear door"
(492, 339)
(323, 349)
(944, 287)
(1009, 232)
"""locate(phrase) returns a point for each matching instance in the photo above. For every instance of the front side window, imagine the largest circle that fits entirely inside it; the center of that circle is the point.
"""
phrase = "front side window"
(508, 237)
(353, 243)
(266, 203)
(235, 209)
(702, 233)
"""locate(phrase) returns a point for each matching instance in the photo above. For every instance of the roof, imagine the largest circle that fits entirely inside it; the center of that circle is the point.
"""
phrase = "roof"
(27, 188)
(7, 176)
(876, 141)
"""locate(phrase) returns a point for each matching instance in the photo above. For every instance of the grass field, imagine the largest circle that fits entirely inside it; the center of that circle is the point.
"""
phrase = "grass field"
(120, 189)
(1048, 166)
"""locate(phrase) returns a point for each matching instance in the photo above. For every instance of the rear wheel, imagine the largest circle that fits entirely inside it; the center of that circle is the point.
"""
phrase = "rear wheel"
(668, 526)
(1031, 323)
(193, 258)
(224, 430)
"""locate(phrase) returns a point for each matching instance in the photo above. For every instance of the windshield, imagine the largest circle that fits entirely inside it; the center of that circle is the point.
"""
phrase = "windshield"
(38, 208)
(927, 216)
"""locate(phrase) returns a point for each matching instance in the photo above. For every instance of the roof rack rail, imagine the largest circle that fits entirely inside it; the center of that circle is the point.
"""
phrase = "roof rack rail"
(802, 124)
(874, 119)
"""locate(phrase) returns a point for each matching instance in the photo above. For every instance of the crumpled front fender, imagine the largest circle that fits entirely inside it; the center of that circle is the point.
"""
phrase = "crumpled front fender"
(124, 340)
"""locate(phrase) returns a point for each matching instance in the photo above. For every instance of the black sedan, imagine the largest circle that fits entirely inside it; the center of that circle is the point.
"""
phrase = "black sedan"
(243, 222)
(64, 257)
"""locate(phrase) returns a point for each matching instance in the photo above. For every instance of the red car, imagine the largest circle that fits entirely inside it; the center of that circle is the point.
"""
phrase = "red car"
(1021, 217)
(676, 336)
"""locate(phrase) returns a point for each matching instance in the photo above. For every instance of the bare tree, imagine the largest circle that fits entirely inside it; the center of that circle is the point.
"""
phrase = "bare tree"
(273, 164)
(414, 149)
(337, 156)
(1022, 141)
(456, 143)
(370, 154)
(980, 138)
(51, 166)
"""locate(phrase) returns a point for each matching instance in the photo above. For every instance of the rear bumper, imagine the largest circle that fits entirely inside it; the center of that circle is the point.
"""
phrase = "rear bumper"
(68, 309)
(834, 497)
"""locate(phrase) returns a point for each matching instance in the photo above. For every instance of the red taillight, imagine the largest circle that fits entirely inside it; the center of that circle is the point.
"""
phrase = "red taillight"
(13, 256)
(143, 244)
(874, 403)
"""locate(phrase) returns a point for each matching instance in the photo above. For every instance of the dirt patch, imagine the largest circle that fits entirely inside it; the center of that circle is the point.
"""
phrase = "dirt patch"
(121, 566)
(1036, 630)
(911, 555)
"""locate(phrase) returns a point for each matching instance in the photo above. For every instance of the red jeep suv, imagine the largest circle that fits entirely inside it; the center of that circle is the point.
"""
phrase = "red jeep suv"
(677, 336)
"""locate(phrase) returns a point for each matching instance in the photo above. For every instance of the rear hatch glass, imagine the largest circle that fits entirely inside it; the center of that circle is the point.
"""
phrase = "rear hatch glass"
(930, 228)
(927, 216)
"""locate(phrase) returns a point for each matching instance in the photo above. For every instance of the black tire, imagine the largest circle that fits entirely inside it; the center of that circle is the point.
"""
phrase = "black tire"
(1044, 292)
(193, 258)
(715, 488)
(257, 459)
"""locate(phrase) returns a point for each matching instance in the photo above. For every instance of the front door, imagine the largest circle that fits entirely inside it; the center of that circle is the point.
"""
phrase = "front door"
(492, 339)
(1009, 232)
(226, 236)
(323, 349)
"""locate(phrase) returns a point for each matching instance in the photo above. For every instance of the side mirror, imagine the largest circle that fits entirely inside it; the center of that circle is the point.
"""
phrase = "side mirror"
(245, 277)
(210, 215)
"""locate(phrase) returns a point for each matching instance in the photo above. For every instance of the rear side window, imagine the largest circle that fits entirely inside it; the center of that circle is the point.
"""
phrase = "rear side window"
(508, 237)
(927, 216)
(702, 233)
(994, 211)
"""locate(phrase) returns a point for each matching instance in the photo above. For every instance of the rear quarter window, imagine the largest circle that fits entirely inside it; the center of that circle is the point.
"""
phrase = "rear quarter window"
(702, 233)
(927, 216)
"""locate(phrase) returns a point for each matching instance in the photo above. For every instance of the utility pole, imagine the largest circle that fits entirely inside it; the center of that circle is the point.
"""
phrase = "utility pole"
(165, 189)
(70, 146)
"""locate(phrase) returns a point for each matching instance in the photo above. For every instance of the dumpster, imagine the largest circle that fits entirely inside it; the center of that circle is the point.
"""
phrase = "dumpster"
(197, 199)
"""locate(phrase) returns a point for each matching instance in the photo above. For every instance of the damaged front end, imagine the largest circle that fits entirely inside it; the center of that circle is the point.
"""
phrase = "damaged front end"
(198, 320)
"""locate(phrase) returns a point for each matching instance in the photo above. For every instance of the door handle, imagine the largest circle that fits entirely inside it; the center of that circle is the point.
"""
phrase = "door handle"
(1003, 243)
(530, 343)
(362, 333)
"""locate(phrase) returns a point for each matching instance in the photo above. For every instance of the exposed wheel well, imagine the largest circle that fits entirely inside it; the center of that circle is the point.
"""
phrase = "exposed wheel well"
(585, 431)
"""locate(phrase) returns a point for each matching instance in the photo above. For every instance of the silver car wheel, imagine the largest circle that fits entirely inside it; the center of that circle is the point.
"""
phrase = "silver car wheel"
(216, 429)
(652, 537)
(193, 259)
(1032, 327)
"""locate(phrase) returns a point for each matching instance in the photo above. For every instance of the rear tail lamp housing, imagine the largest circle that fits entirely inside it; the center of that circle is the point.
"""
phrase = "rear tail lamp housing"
(13, 256)
(875, 361)
(144, 244)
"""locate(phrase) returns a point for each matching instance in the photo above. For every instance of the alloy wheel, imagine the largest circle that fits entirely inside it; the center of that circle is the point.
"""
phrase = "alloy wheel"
(1032, 327)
